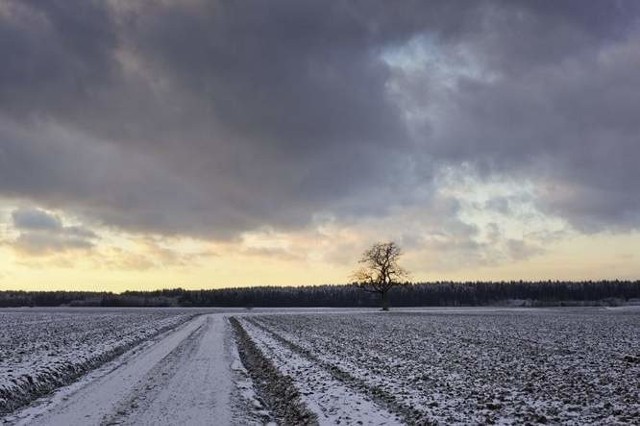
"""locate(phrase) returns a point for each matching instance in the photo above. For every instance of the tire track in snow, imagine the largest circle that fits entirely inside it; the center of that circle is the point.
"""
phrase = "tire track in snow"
(199, 390)
(131, 409)
(185, 378)
(276, 389)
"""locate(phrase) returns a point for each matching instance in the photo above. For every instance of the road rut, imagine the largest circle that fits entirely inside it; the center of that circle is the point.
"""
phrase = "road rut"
(185, 378)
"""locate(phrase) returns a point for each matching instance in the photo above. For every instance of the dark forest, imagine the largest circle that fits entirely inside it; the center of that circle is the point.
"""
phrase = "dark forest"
(513, 293)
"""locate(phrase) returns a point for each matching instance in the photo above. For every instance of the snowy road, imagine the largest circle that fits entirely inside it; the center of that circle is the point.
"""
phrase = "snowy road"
(184, 378)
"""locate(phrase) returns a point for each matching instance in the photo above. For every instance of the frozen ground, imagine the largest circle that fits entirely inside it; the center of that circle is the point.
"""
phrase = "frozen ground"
(168, 383)
(41, 350)
(424, 366)
(572, 366)
(187, 376)
(332, 400)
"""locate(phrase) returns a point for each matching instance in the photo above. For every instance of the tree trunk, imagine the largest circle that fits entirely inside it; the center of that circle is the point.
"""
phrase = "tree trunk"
(385, 300)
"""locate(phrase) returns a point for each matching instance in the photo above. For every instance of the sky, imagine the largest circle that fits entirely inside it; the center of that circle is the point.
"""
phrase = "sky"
(152, 144)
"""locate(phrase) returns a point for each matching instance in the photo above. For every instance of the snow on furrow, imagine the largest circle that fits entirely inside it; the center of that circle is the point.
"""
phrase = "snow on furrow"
(41, 350)
(569, 366)
(367, 374)
(332, 401)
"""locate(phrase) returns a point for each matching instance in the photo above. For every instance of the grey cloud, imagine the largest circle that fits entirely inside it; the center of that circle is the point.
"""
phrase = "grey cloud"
(562, 113)
(498, 204)
(519, 249)
(56, 55)
(519, 35)
(80, 232)
(42, 233)
(210, 118)
(38, 244)
(67, 170)
(234, 113)
(35, 219)
(572, 123)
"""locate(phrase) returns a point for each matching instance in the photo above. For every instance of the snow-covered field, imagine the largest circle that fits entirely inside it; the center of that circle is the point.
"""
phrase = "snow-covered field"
(304, 366)
(573, 366)
(42, 349)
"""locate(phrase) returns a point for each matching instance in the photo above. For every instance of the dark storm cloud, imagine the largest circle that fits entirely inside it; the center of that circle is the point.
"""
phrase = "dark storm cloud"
(56, 55)
(214, 117)
(556, 101)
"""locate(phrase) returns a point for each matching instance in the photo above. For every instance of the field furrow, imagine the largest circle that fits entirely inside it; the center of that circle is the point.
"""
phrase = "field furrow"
(557, 366)
(333, 395)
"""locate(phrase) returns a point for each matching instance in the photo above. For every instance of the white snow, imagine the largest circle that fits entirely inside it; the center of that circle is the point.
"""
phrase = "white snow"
(184, 378)
(441, 366)
(332, 401)
(462, 366)
(42, 349)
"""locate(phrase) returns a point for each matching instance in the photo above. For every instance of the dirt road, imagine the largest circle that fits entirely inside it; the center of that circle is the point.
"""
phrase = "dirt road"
(184, 378)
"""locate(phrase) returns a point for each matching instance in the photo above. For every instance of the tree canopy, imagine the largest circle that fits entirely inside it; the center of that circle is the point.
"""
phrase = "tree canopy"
(380, 271)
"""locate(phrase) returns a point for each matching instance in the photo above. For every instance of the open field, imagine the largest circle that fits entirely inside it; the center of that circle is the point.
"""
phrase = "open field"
(304, 366)
(441, 366)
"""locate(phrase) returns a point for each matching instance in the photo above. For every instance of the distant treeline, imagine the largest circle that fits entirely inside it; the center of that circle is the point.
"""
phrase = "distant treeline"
(544, 293)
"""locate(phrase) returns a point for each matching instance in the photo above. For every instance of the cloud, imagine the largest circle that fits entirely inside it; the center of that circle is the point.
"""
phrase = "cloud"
(146, 253)
(35, 219)
(43, 233)
(37, 244)
(558, 111)
(182, 157)
(212, 119)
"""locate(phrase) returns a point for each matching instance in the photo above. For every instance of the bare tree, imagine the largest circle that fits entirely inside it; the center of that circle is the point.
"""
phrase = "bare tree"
(380, 271)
